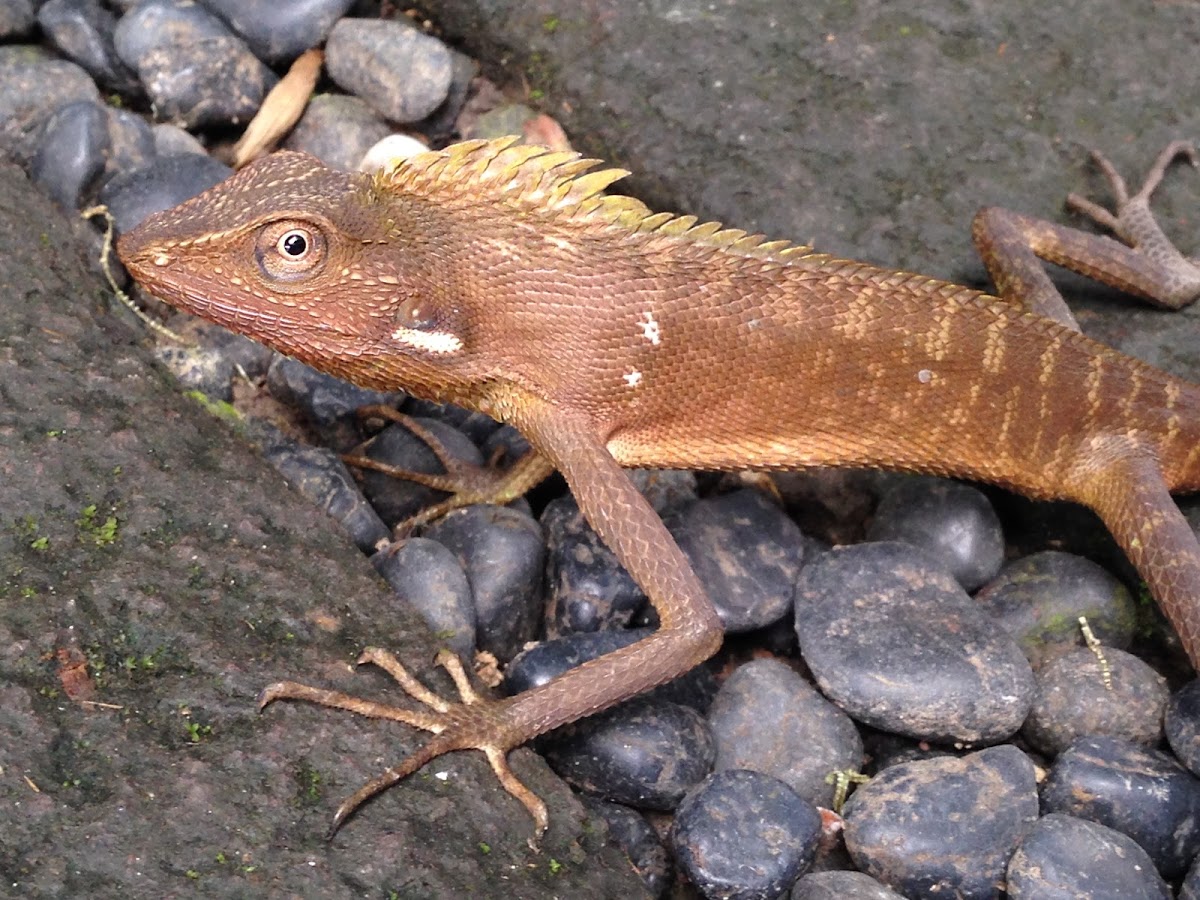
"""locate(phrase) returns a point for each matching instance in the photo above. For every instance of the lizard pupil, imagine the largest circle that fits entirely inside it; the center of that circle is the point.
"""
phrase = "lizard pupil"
(294, 244)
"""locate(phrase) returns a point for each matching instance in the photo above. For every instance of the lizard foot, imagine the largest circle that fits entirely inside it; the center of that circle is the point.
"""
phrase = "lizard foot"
(465, 482)
(1134, 223)
(474, 723)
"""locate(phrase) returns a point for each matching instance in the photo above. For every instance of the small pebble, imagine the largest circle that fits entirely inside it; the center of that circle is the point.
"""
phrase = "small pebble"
(1190, 889)
(442, 124)
(768, 719)
(329, 404)
(279, 32)
(429, 577)
(131, 142)
(747, 553)
(1072, 700)
(33, 86)
(645, 753)
(944, 827)
(894, 640)
(248, 358)
(1182, 724)
(1039, 598)
(338, 130)
(16, 19)
(503, 553)
(171, 139)
(321, 476)
(509, 118)
(402, 73)
(589, 590)
(743, 835)
(396, 499)
(165, 182)
(1139, 792)
(71, 153)
(632, 833)
(393, 149)
(841, 886)
(668, 490)
(953, 522)
(82, 31)
(548, 659)
(200, 368)
(1065, 858)
(195, 70)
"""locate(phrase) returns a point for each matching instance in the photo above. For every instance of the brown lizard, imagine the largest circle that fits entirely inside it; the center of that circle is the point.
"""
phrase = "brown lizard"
(501, 278)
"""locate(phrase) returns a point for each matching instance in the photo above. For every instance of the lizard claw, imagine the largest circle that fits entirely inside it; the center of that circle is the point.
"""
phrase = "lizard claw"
(475, 722)
(1131, 209)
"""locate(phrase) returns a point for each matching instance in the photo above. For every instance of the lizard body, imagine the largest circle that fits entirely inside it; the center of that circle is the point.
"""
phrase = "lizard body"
(501, 278)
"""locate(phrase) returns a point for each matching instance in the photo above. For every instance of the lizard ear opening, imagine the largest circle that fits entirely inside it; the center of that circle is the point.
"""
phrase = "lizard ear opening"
(290, 250)
(422, 325)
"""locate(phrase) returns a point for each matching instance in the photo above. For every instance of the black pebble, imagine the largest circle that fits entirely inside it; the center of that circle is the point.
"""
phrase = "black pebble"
(1073, 700)
(429, 577)
(841, 886)
(278, 32)
(398, 498)
(1142, 793)
(165, 182)
(953, 522)
(194, 69)
(639, 840)
(71, 153)
(82, 31)
(742, 834)
(1065, 858)
(329, 404)
(589, 589)
(766, 717)
(944, 827)
(747, 553)
(1182, 724)
(502, 552)
(321, 476)
(1039, 598)
(645, 753)
(893, 640)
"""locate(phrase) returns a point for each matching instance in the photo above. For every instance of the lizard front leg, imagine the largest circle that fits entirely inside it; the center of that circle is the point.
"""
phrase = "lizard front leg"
(1143, 262)
(689, 630)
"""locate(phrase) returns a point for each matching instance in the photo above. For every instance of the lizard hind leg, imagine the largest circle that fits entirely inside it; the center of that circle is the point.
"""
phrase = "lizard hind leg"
(1129, 494)
(1143, 262)
(440, 719)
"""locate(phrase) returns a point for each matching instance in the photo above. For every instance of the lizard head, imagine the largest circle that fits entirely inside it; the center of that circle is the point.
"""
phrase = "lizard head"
(316, 263)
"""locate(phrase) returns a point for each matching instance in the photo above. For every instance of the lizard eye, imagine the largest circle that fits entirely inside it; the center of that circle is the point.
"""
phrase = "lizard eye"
(290, 250)
(294, 245)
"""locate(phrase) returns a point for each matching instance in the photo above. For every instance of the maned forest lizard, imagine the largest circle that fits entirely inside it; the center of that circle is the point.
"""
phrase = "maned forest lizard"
(500, 277)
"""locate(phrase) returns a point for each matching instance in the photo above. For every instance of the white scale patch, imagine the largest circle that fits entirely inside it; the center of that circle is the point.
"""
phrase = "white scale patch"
(439, 342)
(634, 378)
(650, 329)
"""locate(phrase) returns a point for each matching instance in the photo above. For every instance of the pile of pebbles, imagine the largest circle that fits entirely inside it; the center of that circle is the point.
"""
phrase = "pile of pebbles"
(926, 659)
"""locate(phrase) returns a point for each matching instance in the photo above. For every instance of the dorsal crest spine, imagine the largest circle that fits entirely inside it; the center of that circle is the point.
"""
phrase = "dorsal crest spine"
(567, 185)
